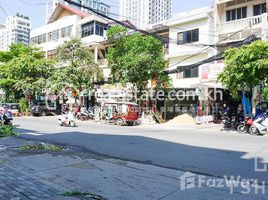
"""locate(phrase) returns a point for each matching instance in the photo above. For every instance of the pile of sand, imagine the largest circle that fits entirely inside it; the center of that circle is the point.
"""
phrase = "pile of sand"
(184, 119)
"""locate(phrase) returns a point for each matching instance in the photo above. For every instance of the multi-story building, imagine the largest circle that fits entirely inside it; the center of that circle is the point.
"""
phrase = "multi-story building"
(95, 4)
(237, 19)
(142, 13)
(2, 36)
(16, 30)
(66, 23)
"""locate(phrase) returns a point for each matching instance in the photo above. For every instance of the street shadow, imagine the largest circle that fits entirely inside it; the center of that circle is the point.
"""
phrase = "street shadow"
(201, 160)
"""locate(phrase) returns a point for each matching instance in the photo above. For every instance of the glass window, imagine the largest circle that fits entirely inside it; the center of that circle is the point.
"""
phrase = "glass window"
(67, 31)
(259, 9)
(100, 29)
(191, 73)
(52, 54)
(87, 29)
(236, 14)
(188, 37)
(54, 35)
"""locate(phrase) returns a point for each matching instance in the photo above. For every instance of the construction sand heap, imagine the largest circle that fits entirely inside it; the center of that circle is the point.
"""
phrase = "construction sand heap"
(184, 119)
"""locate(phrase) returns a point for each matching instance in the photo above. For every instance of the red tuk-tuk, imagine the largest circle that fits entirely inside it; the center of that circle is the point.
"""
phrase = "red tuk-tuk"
(120, 113)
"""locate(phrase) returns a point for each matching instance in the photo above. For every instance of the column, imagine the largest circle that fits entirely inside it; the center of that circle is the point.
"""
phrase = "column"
(96, 54)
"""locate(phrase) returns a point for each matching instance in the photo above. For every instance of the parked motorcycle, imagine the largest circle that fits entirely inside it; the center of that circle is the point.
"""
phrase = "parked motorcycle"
(232, 121)
(67, 119)
(245, 125)
(259, 126)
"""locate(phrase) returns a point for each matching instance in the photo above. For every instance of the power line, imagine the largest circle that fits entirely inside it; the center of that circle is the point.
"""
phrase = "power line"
(32, 4)
(162, 39)
(189, 57)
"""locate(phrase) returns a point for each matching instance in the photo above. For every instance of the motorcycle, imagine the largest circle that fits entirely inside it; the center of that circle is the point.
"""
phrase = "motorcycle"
(7, 119)
(259, 126)
(245, 125)
(85, 114)
(6, 116)
(232, 121)
(67, 119)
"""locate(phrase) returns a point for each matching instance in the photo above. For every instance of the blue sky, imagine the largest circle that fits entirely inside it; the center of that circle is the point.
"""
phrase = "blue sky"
(35, 9)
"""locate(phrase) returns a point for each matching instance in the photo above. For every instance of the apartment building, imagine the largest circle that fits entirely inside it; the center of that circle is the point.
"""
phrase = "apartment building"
(237, 19)
(98, 5)
(2, 36)
(15, 30)
(142, 13)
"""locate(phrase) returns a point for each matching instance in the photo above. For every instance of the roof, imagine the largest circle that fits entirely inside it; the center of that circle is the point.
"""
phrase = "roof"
(60, 7)
(126, 22)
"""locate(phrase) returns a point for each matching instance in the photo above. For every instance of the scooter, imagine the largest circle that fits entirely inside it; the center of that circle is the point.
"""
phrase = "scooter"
(67, 119)
(245, 125)
(259, 126)
(85, 115)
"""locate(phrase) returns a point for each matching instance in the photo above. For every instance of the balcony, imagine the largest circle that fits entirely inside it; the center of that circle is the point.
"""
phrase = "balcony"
(236, 25)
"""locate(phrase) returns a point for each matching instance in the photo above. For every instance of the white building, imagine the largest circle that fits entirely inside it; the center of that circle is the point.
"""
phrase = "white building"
(190, 33)
(142, 13)
(66, 23)
(2, 36)
(16, 30)
(237, 19)
(95, 4)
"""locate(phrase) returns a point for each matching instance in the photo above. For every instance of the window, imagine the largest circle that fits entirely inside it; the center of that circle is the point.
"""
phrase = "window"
(236, 14)
(54, 35)
(100, 29)
(191, 73)
(67, 31)
(188, 36)
(41, 39)
(52, 54)
(87, 29)
(259, 9)
(38, 39)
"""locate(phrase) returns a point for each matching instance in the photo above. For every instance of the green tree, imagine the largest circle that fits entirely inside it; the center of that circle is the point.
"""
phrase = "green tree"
(135, 58)
(75, 68)
(247, 64)
(24, 69)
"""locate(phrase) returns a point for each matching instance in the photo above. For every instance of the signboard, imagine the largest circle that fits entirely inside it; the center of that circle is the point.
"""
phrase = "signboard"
(211, 71)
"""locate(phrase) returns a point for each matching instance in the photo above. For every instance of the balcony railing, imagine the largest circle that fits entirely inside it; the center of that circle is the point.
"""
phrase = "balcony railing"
(241, 23)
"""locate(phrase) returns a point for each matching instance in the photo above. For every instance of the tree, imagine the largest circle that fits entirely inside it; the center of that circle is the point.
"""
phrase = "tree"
(247, 64)
(24, 69)
(135, 58)
(75, 68)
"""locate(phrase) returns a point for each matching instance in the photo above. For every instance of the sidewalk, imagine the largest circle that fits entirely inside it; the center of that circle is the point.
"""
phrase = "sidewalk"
(47, 175)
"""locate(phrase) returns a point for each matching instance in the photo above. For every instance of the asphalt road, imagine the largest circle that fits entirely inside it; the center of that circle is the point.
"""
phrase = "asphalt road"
(201, 149)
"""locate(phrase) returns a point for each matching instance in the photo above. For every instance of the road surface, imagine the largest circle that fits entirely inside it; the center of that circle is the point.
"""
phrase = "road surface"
(203, 150)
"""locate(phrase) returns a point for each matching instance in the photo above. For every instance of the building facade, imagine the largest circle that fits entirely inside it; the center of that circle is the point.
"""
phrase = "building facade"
(142, 13)
(95, 4)
(2, 36)
(15, 30)
(66, 23)
(237, 19)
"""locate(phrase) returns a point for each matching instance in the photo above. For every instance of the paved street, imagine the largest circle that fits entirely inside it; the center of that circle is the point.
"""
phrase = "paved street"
(203, 149)
(143, 162)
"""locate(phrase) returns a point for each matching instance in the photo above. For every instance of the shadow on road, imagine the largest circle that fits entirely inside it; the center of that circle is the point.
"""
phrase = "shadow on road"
(206, 161)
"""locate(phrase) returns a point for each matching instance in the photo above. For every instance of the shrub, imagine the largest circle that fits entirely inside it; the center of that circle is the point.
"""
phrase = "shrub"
(6, 130)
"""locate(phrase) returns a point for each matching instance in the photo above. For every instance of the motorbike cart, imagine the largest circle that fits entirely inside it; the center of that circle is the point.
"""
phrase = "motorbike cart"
(120, 113)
